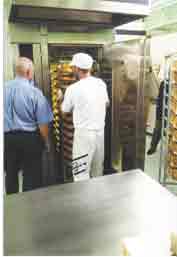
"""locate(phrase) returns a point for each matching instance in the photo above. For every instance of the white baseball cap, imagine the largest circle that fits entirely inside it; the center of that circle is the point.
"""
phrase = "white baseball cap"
(82, 61)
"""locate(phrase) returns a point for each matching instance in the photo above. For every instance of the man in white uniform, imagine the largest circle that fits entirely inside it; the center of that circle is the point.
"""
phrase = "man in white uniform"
(87, 99)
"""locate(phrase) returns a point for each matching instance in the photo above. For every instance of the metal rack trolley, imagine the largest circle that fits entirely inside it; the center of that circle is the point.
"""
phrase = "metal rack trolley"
(164, 178)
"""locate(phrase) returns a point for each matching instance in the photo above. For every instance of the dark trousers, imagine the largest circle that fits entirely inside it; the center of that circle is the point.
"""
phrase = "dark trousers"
(23, 151)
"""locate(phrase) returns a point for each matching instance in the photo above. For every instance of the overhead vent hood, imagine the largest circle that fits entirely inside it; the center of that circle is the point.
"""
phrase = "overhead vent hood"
(106, 14)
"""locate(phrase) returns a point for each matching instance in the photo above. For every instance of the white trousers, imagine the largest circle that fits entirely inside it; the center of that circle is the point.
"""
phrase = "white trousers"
(88, 154)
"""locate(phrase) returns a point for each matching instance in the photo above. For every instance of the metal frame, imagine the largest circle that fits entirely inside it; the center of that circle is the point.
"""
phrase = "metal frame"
(102, 36)
(130, 32)
(117, 7)
(44, 58)
(15, 55)
(36, 48)
(140, 123)
(85, 15)
(165, 127)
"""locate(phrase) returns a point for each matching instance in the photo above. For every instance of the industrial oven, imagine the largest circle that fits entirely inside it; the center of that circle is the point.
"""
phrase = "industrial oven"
(50, 33)
(123, 70)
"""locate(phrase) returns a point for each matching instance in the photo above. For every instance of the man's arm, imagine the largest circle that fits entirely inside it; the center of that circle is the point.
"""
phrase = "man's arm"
(43, 115)
(63, 114)
(44, 131)
(106, 95)
(65, 103)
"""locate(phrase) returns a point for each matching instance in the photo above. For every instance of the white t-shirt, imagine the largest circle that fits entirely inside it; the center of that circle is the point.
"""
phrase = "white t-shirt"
(87, 98)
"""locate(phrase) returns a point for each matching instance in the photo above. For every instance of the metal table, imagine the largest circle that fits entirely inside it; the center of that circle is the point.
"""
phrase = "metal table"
(86, 218)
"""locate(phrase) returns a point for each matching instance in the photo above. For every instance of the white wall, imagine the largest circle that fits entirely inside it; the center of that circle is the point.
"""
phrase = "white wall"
(163, 45)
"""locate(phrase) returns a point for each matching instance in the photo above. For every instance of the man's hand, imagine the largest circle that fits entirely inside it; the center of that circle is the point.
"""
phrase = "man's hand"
(107, 104)
(44, 131)
(60, 96)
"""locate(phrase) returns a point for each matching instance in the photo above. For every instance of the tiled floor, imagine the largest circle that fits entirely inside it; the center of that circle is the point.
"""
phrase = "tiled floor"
(152, 165)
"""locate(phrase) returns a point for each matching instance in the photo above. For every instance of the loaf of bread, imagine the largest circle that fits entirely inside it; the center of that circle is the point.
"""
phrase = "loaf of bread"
(147, 245)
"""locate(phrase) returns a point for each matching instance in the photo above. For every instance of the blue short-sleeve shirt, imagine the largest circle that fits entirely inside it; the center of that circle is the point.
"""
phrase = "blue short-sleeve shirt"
(25, 106)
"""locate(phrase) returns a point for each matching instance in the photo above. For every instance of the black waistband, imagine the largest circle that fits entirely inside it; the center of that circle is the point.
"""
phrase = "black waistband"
(22, 132)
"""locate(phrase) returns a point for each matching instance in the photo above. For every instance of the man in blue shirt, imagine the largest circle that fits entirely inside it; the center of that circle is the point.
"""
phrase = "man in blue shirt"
(26, 118)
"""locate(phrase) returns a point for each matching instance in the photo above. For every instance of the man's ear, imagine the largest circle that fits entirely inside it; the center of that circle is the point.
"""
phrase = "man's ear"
(28, 73)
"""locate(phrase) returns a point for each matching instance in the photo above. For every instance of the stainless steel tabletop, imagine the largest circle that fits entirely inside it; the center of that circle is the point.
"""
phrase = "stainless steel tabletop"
(86, 218)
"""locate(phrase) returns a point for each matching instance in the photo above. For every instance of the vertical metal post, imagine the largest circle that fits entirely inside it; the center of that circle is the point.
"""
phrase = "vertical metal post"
(15, 55)
(37, 65)
(115, 135)
(44, 58)
(165, 156)
(163, 137)
(140, 115)
(50, 162)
